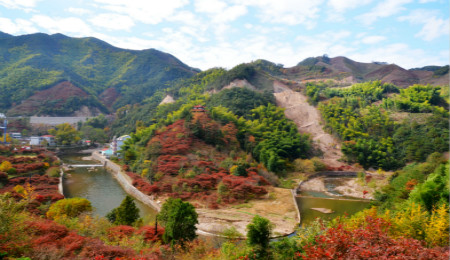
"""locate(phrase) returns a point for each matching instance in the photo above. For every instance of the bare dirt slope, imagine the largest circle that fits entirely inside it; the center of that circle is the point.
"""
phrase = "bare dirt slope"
(280, 210)
(308, 120)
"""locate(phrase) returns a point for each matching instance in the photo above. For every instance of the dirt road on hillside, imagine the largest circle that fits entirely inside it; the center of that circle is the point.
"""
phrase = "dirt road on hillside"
(308, 121)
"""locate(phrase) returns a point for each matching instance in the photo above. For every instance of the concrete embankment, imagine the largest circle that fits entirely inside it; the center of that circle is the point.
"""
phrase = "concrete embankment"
(125, 181)
(60, 185)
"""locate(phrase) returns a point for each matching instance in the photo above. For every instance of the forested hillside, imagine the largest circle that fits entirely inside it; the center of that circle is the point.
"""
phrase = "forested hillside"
(112, 76)
(219, 148)
(384, 126)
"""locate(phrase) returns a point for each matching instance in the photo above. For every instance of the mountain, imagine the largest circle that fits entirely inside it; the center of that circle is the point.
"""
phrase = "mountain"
(110, 76)
(347, 71)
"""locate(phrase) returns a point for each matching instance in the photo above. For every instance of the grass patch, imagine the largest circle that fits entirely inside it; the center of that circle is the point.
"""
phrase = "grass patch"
(287, 183)
(244, 205)
(245, 212)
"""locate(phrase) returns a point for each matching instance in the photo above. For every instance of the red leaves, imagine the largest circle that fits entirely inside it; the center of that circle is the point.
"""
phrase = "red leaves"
(120, 232)
(368, 242)
(173, 140)
(58, 240)
(149, 233)
(45, 187)
(94, 248)
(143, 185)
(170, 164)
(409, 186)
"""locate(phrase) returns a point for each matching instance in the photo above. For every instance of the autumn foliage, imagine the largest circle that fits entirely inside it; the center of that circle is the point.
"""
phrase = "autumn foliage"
(370, 241)
(187, 166)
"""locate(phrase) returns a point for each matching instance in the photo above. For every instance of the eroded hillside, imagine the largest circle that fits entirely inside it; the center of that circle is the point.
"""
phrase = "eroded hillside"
(308, 121)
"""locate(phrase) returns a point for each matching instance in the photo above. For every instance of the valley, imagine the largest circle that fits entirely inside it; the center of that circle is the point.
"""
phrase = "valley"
(220, 153)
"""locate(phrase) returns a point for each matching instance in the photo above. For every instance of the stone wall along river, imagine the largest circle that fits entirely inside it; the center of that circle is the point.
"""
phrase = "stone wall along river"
(98, 186)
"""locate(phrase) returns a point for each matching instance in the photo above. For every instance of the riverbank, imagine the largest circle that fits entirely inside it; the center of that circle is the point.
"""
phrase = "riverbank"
(125, 181)
(278, 206)
(347, 186)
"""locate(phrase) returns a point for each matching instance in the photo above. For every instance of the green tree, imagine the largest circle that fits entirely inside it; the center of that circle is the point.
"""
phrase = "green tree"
(258, 232)
(71, 207)
(65, 134)
(126, 214)
(179, 219)
(94, 134)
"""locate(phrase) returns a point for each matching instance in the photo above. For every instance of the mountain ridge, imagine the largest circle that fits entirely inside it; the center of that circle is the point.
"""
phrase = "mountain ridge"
(35, 62)
(116, 77)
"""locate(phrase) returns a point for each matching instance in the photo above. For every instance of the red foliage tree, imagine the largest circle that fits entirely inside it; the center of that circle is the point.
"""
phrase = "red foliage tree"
(369, 242)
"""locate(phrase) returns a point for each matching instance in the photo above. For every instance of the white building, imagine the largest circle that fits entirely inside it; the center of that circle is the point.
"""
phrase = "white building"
(37, 140)
(117, 143)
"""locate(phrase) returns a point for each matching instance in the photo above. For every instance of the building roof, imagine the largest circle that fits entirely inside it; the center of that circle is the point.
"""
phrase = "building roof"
(47, 136)
(108, 151)
(123, 137)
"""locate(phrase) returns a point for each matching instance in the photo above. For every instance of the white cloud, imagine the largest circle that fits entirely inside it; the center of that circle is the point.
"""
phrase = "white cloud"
(70, 25)
(146, 11)
(331, 43)
(343, 5)
(209, 6)
(289, 12)
(112, 21)
(79, 11)
(373, 39)
(186, 18)
(16, 26)
(25, 5)
(400, 54)
(433, 27)
(230, 14)
(384, 9)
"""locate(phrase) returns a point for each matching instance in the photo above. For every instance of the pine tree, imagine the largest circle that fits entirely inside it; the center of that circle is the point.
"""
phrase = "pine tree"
(126, 214)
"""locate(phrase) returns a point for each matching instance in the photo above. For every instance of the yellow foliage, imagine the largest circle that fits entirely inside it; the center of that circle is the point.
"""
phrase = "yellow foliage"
(5, 166)
(71, 207)
(233, 169)
(26, 192)
(437, 228)
(144, 173)
(305, 166)
(8, 138)
(410, 222)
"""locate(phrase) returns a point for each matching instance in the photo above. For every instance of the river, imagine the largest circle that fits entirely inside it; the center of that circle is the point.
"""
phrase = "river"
(105, 194)
(340, 205)
(99, 187)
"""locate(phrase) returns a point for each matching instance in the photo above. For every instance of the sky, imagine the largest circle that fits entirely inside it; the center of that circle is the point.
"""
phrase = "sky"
(225, 33)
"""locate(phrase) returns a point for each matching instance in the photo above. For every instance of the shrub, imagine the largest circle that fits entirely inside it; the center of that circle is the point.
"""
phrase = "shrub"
(71, 207)
(5, 166)
(306, 166)
(370, 241)
(52, 172)
(318, 164)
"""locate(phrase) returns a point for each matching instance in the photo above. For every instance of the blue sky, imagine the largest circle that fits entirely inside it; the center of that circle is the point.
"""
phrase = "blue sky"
(224, 33)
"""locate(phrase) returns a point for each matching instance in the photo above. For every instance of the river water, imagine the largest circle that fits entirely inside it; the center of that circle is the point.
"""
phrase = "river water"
(99, 187)
(105, 193)
(340, 205)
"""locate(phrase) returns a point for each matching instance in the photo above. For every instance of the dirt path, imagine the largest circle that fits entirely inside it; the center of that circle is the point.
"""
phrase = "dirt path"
(308, 121)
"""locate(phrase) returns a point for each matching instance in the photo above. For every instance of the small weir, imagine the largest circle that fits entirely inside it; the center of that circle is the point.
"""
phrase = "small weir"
(83, 165)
